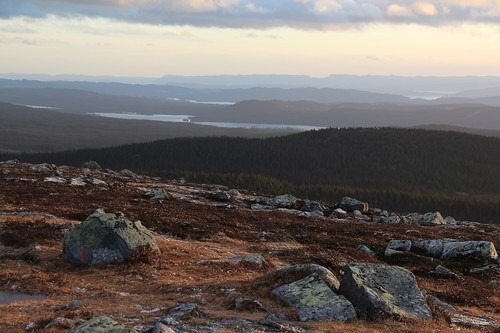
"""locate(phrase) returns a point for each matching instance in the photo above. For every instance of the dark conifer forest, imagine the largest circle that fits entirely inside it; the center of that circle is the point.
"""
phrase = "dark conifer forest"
(395, 169)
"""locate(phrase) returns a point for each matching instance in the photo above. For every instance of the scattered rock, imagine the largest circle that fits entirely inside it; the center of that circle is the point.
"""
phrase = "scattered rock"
(222, 196)
(315, 301)
(101, 324)
(77, 182)
(444, 273)
(471, 250)
(234, 193)
(338, 213)
(92, 165)
(366, 250)
(256, 260)
(158, 194)
(379, 291)
(279, 322)
(43, 168)
(360, 216)
(282, 201)
(59, 180)
(307, 269)
(162, 328)
(260, 207)
(104, 238)
(73, 305)
(393, 219)
(449, 220)
(399, 245)
(128, 173)
(245, 304)
(182, 311)
(63, 323)
(438, 306)
(312, 206)
(430, 247)
(474, 322)
(350, 205)
(95, 181)
(428, 219)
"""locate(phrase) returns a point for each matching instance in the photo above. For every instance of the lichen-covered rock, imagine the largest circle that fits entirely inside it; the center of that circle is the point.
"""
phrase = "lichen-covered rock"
(471, 250)
(105, 238)
(428, 219)
(381, 291)
(315, 301)
(350, 205)
(101, 324)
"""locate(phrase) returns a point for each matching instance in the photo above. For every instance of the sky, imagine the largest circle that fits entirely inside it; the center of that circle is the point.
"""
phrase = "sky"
(152, 38)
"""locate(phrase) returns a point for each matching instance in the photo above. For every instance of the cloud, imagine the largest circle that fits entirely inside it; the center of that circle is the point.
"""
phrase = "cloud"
(261, 14)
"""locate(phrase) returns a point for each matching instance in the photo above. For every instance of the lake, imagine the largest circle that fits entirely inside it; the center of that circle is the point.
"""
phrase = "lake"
(187, 119)
(8, 298)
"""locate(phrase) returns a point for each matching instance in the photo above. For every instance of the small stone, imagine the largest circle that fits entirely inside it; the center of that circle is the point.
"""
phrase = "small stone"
(399, 245)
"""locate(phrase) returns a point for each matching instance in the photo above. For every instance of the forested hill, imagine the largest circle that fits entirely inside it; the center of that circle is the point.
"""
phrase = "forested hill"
(388, 162)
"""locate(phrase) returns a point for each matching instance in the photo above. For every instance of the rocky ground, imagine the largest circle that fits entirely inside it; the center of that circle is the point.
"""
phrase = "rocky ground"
(226, 260)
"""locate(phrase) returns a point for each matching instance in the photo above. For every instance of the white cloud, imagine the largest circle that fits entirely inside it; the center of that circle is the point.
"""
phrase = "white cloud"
(300, 14)
(326, 6)
(398, 10)
(425, 8)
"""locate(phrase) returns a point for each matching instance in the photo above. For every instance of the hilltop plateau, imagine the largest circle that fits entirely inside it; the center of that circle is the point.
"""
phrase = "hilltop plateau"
(227, 260)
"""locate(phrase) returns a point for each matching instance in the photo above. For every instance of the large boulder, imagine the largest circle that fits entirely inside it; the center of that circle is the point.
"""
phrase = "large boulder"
(105, 238)
(315, 301)
(350, 205)
(101, 324)
(383, 291)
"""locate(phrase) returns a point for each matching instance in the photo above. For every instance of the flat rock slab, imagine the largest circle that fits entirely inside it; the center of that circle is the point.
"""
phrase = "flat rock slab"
(383, 291)
(315, 301)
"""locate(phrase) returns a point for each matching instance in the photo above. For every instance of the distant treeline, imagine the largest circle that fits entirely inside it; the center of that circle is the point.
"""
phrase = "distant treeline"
(397, 169)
